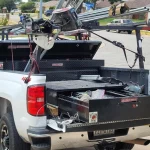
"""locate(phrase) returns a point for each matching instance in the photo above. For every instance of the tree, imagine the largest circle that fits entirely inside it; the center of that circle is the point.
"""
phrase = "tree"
(7, 3)
(28, 7)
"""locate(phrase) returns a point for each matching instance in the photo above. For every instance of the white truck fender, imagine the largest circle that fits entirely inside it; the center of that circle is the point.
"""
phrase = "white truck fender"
(14, 90)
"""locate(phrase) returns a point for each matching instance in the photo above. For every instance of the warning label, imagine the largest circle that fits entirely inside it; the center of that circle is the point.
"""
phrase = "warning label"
(93, 117)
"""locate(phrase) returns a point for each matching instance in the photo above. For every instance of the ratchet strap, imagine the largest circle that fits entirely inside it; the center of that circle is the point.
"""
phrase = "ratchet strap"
(120, 45)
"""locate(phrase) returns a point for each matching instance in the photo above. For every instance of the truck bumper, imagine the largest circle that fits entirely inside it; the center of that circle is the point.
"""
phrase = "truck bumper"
(59, 140)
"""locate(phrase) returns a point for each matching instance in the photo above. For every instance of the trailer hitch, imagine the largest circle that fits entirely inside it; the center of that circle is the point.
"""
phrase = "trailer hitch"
(105, 146)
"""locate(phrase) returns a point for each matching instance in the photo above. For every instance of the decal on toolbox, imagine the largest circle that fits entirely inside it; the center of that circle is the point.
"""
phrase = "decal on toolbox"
(93, 117)
(126, 100)
(17, 46)
(57, 64)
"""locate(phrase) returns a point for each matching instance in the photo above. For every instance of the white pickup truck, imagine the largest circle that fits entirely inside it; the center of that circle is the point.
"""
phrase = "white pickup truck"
(32, 106)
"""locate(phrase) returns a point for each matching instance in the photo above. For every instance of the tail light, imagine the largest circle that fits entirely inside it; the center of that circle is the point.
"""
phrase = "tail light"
(35, 100)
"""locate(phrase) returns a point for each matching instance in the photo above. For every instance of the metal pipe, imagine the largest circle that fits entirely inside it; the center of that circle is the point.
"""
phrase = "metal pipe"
(138, 9)
(100, 11)
(97, 10)
(139, 142)
(41, 2)
(60, 4)
(93, 15)
(107, 9)
(139, 48)
(95, 18)
(105, 12)
(106, 16)
(79, 4)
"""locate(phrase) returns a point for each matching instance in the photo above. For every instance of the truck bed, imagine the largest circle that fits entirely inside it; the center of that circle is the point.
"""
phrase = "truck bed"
(120, 109)
(114, 108)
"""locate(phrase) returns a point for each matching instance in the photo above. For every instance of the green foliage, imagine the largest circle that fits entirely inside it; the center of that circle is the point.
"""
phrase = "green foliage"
(52, 7)
(105, 21)
(7, 3)
(3, 21)
(28, 7)
(37, 11)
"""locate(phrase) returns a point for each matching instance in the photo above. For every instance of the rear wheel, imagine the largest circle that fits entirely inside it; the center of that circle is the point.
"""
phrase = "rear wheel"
(9, 138)
(124, 146)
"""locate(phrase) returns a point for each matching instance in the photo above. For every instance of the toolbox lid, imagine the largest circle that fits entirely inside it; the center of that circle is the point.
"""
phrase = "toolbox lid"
(62, 49)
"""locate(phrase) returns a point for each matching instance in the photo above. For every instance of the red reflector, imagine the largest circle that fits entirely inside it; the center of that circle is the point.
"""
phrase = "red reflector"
(35, 100)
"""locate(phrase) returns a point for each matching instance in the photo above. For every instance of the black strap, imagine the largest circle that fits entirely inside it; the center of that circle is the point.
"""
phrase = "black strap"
(120, 45)
(135, 60)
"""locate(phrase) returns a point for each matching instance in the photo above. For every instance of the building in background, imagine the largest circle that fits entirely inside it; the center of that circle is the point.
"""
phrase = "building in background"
(131, 3)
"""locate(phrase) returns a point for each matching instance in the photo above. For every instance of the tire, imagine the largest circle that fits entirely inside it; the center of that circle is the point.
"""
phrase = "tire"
(124, 146)
(8, 131)
(129, 32)
(108, 30)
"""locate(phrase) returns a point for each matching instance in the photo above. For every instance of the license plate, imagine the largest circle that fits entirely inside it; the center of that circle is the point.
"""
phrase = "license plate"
(103, 132)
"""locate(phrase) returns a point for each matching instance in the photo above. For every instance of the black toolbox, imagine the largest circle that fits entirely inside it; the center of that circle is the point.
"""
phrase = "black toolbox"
(119, 107)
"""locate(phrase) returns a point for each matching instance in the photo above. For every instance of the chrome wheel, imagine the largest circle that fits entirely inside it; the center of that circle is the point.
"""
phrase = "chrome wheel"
(4, 138)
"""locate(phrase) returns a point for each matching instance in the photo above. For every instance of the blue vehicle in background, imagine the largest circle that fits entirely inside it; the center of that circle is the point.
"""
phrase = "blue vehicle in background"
(48, 12)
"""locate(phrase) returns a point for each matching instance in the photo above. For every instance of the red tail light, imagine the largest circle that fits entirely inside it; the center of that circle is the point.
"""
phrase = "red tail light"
(35, 100)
